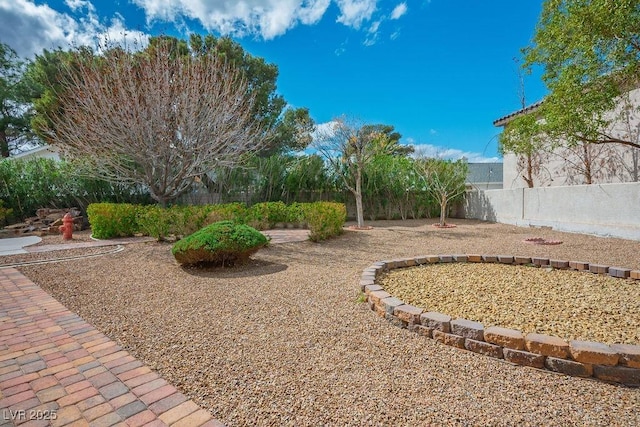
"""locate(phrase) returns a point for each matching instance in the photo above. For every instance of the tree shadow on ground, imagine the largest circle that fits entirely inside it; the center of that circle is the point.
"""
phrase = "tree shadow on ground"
(253, 268)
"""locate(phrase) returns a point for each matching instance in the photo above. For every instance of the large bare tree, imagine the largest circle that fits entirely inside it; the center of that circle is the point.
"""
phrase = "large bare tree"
(155, 118)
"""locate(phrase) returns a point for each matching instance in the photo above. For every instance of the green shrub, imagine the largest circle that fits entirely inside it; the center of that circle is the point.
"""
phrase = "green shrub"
(325, 219)
(295, 213)
(113, 219)
(228, 211)
(4, 212)
(267, 214)
(155, 221)
(27, 185)
(221, 243)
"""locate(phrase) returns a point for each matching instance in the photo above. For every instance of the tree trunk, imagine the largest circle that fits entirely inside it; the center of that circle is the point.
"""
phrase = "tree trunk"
(529, 178)
(4, 144)
(443, 211)
(358, 195)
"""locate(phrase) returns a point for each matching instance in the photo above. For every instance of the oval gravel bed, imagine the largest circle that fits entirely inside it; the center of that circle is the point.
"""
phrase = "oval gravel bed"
(569, 304)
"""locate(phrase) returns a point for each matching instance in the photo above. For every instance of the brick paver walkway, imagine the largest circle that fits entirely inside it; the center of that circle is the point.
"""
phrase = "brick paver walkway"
(56, 369)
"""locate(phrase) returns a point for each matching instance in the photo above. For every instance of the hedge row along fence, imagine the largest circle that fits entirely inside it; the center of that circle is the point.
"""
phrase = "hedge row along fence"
(324, 219)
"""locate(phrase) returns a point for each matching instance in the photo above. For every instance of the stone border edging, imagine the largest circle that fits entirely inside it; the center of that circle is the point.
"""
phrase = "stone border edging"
(618, 363)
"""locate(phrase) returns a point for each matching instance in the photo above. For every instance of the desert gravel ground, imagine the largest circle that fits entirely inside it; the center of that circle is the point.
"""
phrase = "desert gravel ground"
(284, 340)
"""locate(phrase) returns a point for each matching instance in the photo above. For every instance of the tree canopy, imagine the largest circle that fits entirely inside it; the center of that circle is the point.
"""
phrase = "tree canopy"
(290, 127)
(590, 53)
(15, 110)
(350, 146)
(156, 118)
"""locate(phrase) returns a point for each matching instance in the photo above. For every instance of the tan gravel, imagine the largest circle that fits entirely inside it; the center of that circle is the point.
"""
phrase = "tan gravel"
(569, 304)
(283, 340)
(54, 255)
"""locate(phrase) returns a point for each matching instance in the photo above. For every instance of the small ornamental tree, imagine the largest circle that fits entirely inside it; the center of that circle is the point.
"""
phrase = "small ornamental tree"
(349, 147)
(444, 180)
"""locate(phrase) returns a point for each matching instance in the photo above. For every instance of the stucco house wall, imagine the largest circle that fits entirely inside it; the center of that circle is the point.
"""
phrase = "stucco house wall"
(613, 163)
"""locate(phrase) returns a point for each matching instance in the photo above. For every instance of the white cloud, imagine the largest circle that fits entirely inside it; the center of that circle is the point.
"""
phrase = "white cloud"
(268, 18)
(354, 12)
(435, 151)
(75, 5)
(399, 10)
(36, 27)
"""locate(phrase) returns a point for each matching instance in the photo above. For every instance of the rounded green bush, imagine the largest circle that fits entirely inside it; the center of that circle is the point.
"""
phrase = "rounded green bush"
(222, 243)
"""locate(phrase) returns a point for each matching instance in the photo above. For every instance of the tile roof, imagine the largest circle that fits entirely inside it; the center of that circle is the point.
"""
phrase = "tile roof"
(506, 119)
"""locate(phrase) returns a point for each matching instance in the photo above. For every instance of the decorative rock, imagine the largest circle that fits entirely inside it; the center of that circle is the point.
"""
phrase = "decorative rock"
(468, 329)
(594, 353)
(421, 260)
(505, 259)
(618, 374)
(389, 304)
(629, 354)
(421, 330)
(547, 345)
(408, 313)
(474, 258)
(559, 264)
(448, 339)
(370, 288)
(446, 258)
(483, 348)
(509, 338)
(579, 265)
(521, 260)
(523, 358)
(622, 273)
(438, 321)
(371, 270)
(568, 367)
(368, 276)
(395, 321)
(379, 310)
(409, 262)
(598, 269)
(366, 282)
(540, 262)
(460, 258)
(489, 258)
(376, 296)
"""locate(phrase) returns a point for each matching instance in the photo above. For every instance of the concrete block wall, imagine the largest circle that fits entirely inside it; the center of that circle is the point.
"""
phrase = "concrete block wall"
(601, 209)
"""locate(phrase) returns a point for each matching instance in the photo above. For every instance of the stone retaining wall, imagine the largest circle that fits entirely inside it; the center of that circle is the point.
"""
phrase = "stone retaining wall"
(618, 363)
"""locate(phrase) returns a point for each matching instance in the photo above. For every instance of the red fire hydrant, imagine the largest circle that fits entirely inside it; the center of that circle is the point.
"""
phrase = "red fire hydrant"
(67, 227)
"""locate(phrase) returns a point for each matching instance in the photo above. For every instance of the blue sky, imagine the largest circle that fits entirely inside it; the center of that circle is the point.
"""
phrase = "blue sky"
(440, 71)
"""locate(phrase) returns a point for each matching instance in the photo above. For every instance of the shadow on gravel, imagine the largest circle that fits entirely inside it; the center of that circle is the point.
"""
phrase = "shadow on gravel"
(253, 268)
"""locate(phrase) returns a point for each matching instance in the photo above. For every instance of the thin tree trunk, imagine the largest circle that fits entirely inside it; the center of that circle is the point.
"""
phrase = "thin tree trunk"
(358, 194)
(443, 211)
(4, 144)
